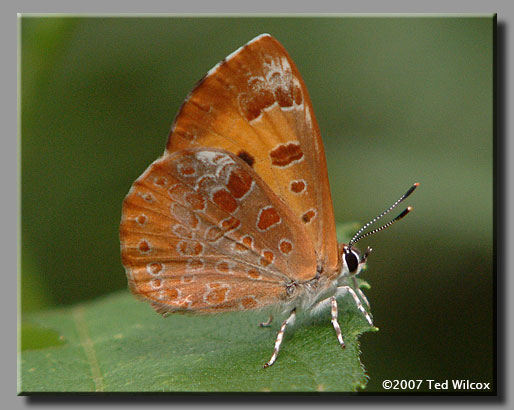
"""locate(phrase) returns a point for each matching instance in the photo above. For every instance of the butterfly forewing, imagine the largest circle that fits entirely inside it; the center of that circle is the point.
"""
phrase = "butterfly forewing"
(202, 231)
(255, 104)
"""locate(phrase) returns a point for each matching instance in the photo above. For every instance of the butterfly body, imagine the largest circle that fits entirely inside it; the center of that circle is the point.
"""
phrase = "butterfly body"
(237, 213)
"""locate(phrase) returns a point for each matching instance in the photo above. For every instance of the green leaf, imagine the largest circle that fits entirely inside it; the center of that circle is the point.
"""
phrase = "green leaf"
(35, 337)
(117, 344)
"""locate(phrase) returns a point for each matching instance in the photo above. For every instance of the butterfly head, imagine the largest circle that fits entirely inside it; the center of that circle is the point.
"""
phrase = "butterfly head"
(352, 261)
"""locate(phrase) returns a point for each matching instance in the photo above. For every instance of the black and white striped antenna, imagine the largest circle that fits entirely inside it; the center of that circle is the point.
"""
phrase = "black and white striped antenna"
(357, 237)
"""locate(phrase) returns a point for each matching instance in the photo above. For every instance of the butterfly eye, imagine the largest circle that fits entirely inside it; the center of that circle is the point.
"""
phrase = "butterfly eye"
(352, 262)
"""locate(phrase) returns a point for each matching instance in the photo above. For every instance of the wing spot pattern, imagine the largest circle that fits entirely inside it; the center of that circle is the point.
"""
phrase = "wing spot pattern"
(247, 241)
(195, 264)
(160, 181)
(142, 219)
(249, 302)
(284, 155)
(147, 197)
(223, 267)
(216, 294)
(254, 274)
(187, 278)
(173, 294)
(285, 246)
(246, 157)
(230, 224)
(182, 232)
(268, 217)
(184, 215)
(239, 183)
(251, 104)
(308, 216)
(156, 283)
(191, 248)
(239, 247)
(267, 258)
(154, 268)
(144, 247)
(213, 234)
(298, 186)
(196, 201)
(224, 200)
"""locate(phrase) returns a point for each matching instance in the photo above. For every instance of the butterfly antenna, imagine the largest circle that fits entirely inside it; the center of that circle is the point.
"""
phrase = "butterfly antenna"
(405, 212)
(357, 237)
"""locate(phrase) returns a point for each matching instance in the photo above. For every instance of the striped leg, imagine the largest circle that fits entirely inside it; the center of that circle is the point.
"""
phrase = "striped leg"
(335, 323)
(357, 302)
(280, 336)
(267, 323)
(359, 292)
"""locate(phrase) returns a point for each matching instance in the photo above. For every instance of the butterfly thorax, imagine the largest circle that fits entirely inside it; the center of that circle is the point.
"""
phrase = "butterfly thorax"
(304, 295)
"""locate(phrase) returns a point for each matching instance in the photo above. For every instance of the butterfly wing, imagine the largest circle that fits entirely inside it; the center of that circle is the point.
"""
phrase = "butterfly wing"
(255, 104)
(202, 231)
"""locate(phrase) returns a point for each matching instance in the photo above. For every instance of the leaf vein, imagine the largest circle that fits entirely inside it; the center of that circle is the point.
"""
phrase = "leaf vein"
(87, 345)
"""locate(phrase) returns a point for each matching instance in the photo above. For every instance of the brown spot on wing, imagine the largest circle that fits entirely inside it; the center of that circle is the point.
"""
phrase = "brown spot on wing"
(213, 234)
(307, 216)
(187, 171)
(249, 302)
(224, 200)
(155, 268)
(239, 247)
(246, 157)
(223, 267)
(285, 154)
(230, 224)
(196, 201)
(160, 181)
(248, 241)
(297, 186)
(189, 247)
(182, 232)
(239, 183)
(267, 218)
(285, 246)
(268, 256)
(141, 219)
(172, 294)
(282, 90)
(252, 105)
(217, 295)
(195, 264)
(144, 247)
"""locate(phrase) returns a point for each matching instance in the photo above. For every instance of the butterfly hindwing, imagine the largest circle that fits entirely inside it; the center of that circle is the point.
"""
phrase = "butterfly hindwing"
(200, 219)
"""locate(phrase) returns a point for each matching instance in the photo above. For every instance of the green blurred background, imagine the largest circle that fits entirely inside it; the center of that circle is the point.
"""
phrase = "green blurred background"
(398, 100)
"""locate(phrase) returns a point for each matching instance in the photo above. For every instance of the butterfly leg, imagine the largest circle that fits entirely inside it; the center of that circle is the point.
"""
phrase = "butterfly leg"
(359, 292)
(357, 302)
(335, 323)
(280, 336)
(267, 323)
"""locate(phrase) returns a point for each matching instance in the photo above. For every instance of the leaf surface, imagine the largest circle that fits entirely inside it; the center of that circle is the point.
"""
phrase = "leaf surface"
(118, 344)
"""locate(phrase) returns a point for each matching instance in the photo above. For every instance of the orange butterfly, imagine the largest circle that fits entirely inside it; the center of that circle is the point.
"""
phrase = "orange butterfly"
(237, 213)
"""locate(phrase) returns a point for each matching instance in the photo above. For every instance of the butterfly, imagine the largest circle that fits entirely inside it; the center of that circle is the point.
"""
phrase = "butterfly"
(237, 213)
